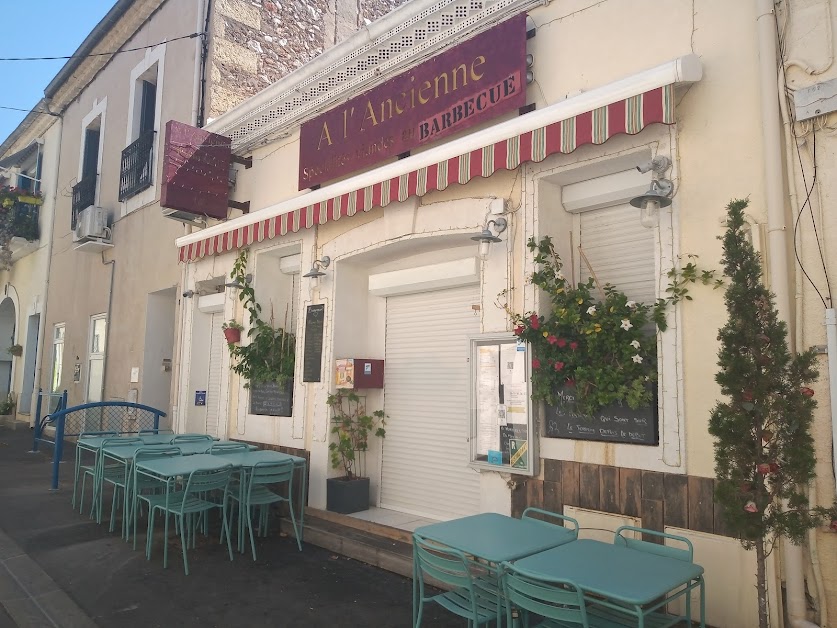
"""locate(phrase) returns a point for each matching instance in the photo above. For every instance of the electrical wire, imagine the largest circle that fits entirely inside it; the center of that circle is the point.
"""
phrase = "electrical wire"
(40, 113)
(102, 54)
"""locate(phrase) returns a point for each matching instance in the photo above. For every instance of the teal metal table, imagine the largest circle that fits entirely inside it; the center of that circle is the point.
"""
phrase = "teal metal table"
(168, 470)
(247, 460)
(622, 579)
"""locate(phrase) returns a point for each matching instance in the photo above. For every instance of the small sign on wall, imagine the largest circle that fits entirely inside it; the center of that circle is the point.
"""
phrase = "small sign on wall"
(200, 397)
(77, 373)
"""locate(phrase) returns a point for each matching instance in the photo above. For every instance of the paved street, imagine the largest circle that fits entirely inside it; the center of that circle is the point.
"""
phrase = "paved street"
(61, 569)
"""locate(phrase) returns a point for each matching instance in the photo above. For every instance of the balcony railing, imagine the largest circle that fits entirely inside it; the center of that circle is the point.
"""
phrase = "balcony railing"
(84, 195)
(137, 164)
(24, 221)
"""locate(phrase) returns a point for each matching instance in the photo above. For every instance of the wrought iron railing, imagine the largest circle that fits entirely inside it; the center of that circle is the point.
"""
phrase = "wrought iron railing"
(24, 221)
(137, 164)
(84, 195)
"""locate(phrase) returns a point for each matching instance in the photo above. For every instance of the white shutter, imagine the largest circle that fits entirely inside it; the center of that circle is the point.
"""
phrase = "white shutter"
(213, 388)
(425, 461)
(620, 251)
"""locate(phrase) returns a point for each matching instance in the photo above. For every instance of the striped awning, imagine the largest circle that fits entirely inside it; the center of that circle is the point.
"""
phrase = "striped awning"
(630, 115)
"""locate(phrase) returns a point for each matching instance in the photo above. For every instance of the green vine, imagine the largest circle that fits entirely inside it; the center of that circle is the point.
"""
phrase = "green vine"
(18, 218)
(270, 353)
(602, 347)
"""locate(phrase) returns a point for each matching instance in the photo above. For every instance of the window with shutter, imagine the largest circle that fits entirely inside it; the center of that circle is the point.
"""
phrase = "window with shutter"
(147, 106)
(91, 153)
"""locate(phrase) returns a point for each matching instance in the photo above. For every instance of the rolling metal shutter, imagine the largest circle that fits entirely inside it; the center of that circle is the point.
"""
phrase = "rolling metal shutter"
(620, 250)
(213, 389)
(425, 458)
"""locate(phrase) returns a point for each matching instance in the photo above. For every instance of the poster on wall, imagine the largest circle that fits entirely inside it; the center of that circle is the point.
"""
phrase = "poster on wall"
(500, 404)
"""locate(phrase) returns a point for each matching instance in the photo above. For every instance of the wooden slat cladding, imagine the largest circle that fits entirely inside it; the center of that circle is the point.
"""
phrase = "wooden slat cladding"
(657, 499)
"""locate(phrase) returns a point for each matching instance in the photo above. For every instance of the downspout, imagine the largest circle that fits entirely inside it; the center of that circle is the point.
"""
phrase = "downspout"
(777, 234)
(39, 357)
(112, 264)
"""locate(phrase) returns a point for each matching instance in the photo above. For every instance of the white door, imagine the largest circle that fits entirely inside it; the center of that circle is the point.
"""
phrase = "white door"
(425, 457)
(217, 344)
(96, 357)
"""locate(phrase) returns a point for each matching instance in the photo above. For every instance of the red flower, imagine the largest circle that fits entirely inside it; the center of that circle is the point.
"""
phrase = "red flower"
(570, 381)
(774, 467)
(751, 507)
(536, 364)
(562, 343)
(534, 321)
(763, 468)
(551, 339)
(559, 366)
(573, 345)
(808, 392)
(747, 395)
(519, 330)
(833, 526)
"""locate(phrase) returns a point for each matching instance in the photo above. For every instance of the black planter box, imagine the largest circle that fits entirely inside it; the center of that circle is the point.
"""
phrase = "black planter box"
(347, 496)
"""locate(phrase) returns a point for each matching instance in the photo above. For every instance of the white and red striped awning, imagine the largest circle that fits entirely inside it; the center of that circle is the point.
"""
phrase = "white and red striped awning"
(626, 115)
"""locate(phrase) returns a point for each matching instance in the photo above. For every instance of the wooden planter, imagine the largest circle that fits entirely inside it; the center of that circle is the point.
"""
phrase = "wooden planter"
(232, 334)
(347, 496)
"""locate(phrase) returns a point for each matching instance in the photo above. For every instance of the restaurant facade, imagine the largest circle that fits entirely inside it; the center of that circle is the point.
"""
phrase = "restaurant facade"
(408, 167)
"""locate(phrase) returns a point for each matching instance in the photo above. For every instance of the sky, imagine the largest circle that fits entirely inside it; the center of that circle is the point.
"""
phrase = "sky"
(39, 28)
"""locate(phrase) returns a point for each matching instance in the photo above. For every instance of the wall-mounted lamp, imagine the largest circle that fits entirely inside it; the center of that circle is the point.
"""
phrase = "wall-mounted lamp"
(188, 294)
(530, 73)
(316, 268)
(649, 203)
(485, 238)
(248, 278)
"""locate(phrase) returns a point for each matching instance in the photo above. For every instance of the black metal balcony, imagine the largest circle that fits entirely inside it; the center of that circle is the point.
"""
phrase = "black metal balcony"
(84, 195)
(137, 164)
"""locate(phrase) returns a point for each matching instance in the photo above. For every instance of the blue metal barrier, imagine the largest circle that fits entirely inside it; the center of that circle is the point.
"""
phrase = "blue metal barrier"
(41, 422)
(121, 417)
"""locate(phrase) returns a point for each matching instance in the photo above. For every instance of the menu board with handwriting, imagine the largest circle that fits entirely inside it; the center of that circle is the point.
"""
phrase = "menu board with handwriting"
(615, 423)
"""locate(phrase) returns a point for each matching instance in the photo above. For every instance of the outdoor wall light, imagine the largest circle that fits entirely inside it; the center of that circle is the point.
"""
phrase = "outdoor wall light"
(316, 268)
(188, 294)
(649, 203)
(485, 238)
(248, 278)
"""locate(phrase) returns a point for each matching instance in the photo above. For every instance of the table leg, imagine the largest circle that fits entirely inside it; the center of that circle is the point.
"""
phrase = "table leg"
(702, 603)
(302, 487)
(166, 529)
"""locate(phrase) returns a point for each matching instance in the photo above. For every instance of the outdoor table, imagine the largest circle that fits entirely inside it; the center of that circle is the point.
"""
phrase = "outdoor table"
(168, 470)
(247, 460)
(629, 577)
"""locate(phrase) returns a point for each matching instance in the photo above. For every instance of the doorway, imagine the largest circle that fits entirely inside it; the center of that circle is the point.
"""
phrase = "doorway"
(158, 349)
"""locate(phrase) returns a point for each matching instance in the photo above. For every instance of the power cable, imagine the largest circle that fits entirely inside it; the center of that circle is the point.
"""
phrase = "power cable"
(41, 113)
(102, 54)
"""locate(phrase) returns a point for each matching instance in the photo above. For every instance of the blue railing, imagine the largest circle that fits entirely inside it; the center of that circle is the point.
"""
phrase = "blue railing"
(121, 417)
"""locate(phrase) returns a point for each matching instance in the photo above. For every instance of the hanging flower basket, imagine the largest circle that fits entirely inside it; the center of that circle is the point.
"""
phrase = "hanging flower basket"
(232, 335)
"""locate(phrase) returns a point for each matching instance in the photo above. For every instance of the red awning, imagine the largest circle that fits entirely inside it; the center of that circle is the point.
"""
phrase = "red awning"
(629, 115)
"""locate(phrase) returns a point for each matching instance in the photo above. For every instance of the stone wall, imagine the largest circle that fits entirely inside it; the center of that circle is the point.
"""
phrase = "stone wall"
(254, 43)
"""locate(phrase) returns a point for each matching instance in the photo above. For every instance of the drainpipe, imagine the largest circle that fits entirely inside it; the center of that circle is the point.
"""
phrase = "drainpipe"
(112, 264)
(777, 234)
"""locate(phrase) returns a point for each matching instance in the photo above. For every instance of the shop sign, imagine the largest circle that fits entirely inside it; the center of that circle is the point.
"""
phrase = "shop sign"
(480, 79)
(196, 165)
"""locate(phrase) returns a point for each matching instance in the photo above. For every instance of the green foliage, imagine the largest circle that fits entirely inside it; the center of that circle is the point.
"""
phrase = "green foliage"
(7, 405)
(18, 218)
(353, 428)
(232, 324)
(601, 346)
(764, 452)
(269, 355)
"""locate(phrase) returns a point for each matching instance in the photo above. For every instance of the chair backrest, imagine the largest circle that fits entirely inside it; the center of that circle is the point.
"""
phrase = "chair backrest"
(120, 441)
(447, 565)
(271, 473)
(682, 551)
(550, 518)
(96, 434)
(227, 448)
(156, 451)
(190, 438)
(159, 431)
(205, 480)
(551, 598)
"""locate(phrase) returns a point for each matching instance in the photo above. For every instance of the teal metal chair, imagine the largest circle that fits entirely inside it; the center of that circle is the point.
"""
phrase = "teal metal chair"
(256, 496)
(141, 483)
(191, 438)
(84, 470)
(187, 505)
(683, 549)
(554, 603)
(227, 448)
(115, 473)
(547, 517)
(473, 595)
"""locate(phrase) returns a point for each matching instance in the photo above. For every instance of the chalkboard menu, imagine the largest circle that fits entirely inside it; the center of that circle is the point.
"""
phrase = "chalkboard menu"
(313, 352)
(271, 399)
(615, 424)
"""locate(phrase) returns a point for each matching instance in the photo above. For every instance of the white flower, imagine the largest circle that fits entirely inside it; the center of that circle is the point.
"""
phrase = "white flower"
(591, 310)
(635, 344)
(637, 358)
(626, 324)
(631, 304)
(560, 276)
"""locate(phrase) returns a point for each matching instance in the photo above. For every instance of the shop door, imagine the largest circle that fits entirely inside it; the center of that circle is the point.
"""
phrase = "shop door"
(425, 458)
(213, 388)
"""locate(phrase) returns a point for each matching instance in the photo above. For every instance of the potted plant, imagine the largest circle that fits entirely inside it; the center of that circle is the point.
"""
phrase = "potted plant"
(232, 331)
(16, 350)
(353, 428)
(7, 410)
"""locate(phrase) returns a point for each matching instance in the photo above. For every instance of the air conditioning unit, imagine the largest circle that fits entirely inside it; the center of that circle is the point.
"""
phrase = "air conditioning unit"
(91, 223)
